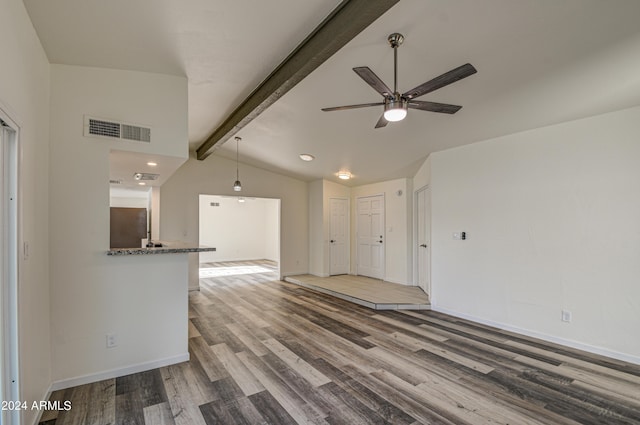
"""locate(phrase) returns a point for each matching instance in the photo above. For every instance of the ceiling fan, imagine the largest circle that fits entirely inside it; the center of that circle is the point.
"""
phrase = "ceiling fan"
(396, 104)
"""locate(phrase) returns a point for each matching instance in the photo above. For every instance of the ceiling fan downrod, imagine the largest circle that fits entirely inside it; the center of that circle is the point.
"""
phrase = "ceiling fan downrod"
(395, 40)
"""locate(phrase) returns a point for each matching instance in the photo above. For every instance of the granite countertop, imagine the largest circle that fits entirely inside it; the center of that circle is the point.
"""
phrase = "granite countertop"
(168, 247)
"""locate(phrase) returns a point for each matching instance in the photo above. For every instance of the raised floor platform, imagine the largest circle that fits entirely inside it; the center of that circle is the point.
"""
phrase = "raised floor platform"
(365, 291)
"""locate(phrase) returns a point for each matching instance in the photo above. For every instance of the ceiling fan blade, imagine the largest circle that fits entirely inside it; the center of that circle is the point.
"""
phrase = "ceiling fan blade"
(361, 105)
(382, 122)
(373, 80)
(443, 80)
(434, 106)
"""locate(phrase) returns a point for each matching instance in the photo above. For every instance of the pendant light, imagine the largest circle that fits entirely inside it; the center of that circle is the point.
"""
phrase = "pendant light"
(237, 186)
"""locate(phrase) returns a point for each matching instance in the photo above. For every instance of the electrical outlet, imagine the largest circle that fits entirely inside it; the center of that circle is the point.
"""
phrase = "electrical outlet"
(112, 340)
(566, 316)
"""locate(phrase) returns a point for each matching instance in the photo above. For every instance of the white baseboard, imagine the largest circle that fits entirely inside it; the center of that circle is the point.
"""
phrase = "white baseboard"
(284, 274)
(397, 282)
(115, 373)
(550, 338)
(46, 397)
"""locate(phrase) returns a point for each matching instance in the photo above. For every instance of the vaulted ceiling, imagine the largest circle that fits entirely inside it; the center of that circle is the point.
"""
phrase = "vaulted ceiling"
(539, 62)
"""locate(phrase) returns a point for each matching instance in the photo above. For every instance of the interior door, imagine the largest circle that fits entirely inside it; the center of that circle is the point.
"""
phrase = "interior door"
(370, 236)
(423, 229)
(339, 236)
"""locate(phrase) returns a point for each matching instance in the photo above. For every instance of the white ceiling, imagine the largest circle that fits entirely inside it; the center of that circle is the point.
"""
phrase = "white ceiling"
(123, 165)
(539, 62)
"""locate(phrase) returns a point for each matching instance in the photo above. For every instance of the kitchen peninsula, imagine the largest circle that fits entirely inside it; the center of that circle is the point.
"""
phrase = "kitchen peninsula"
(143, 307)
(165, 247)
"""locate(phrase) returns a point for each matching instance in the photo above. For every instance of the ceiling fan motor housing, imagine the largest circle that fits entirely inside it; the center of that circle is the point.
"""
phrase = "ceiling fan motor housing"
(395, 109)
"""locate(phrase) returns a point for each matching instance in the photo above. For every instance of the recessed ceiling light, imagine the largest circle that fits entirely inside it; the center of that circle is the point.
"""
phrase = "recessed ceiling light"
(142, 183)
(152, 164)
(307, 157)
(344, 175)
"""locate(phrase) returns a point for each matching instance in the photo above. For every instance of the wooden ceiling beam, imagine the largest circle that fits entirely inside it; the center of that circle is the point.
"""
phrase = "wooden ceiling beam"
(341, 26)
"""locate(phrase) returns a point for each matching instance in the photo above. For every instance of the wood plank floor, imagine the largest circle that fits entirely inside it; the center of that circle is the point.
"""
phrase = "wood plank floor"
(270, 352)
(373, 293)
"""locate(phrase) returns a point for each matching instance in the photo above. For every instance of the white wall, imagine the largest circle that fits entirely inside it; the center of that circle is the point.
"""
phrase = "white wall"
(272, 230)
(398, 228)
(422, 177)
(552, 218)
(316, 228)
(215, 175)
(119, 202)
(155, 213)
(93, 294)
(127, 198)
(24, 97)
(239, 230)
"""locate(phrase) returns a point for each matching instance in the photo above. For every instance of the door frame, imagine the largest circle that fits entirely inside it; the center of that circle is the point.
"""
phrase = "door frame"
(10, 203)
(416, 237)
(347, 236)
(384, 228)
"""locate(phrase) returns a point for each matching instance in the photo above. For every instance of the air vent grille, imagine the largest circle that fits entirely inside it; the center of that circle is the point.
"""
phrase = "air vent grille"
(139, 134)
(146, 176)
(104, 128)
(113, 181)
(215, 204)
(116, 130)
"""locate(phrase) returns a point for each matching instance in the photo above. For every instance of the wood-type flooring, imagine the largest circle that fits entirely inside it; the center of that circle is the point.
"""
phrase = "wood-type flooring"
(270, 352)
(373, 293)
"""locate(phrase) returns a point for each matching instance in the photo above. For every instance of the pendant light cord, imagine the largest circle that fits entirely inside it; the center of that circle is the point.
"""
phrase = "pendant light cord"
(237, 150)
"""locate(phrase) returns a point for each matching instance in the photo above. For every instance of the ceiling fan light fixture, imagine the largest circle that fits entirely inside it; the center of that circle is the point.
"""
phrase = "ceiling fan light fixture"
(395, 110)
(307, 157)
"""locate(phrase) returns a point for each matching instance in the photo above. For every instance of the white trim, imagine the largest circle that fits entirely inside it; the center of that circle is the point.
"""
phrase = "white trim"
(115, 373)
(549, 338)
(10, 250)
(397, 282)
(415, 248)
(46, 396)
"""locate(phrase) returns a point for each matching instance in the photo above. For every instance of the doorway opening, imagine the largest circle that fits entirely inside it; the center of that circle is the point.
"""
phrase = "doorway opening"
(245, 232)
(9, 351)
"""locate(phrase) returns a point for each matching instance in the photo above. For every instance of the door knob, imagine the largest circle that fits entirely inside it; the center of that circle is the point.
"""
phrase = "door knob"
(424, 245)
(380, 241)
(332, 241)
